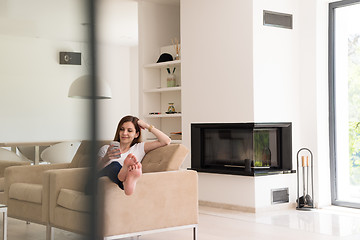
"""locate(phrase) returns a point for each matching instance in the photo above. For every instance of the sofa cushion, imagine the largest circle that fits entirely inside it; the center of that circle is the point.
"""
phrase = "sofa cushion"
(74, 200)
(167, 158)
(26, 192)
(2, 184)
(82, 156)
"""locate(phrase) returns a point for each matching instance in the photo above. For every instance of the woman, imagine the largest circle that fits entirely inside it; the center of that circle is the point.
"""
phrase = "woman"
(126, 169)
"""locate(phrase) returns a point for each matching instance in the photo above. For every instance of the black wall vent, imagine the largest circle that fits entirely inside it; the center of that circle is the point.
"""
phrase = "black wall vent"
(275, 19)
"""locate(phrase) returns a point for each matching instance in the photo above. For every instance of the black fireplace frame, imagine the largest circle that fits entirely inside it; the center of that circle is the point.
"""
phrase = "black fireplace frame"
(284, 141)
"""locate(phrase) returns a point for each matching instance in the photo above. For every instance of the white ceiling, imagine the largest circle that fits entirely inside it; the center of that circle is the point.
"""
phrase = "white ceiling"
(68, 20)
(43, 19)
(117, 20)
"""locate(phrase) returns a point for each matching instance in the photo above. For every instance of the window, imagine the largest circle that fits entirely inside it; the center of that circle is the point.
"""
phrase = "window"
(344, 87)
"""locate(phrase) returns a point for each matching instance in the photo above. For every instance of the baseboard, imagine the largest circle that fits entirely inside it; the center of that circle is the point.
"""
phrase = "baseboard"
(226, 206)
(275, 207)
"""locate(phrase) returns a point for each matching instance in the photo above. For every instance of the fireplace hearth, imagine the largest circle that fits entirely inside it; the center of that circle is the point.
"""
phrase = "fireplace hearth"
(250, 149)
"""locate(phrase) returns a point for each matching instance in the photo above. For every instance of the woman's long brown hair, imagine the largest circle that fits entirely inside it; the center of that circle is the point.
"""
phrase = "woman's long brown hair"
(134, 120)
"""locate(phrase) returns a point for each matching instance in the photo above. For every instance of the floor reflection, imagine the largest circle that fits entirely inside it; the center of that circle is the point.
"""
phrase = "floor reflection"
(316, 221)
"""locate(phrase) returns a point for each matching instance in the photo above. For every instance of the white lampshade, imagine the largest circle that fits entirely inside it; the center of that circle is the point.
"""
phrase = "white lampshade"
(80, 88)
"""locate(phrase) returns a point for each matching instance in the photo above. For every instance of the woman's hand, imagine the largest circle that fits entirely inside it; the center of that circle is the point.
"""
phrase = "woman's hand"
(162, 138)
(111, 153)
(142, 124)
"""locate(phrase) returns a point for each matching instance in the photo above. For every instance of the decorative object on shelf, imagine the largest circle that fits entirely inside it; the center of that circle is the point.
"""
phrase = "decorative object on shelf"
(176, 135)
(175, 42)
(165, 57)
(171, 108)
(170, 80)
(306, 183)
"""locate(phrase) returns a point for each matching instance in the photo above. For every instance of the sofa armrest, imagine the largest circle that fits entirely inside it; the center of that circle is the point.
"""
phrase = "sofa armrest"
(28, 174)
(161, 200)
(5, 164)
(71, 178)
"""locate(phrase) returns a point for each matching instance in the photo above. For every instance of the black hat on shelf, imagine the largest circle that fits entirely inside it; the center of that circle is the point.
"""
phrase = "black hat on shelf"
(165, 57)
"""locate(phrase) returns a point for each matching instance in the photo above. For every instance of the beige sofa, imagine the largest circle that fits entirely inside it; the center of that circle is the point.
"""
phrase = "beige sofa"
(26, 190)
(165, 198)
(7, 159)
(3, 165)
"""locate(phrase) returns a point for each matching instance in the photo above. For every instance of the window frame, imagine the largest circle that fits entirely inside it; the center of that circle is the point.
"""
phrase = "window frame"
(332, 103)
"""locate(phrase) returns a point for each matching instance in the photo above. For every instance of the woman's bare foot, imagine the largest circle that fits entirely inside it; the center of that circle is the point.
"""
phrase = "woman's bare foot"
(129, 161)
(134, 173)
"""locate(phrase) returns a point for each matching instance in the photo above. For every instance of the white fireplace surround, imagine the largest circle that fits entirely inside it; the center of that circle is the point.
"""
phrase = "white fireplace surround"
(242, 71)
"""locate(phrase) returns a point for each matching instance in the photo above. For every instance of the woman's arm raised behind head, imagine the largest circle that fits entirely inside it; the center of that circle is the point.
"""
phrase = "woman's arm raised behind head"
(162, 138)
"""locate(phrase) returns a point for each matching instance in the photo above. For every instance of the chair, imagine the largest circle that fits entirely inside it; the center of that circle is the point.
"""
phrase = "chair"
(27, 188)
(8, 159)
(165, 198)
(28, 152)
(62, 152)
(9, 155)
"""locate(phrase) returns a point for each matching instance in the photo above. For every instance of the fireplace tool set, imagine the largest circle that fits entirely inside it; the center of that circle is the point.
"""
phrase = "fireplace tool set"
(305, 180)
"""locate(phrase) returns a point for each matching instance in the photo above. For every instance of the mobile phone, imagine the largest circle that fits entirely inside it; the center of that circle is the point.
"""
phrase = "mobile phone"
(115, 145)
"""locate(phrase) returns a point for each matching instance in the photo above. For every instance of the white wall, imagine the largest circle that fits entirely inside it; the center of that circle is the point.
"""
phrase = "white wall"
(134, 80)
(217, 69)
(276, 84)
(217, 83)
(276, 64)
(265, 184)
(236, 70)
(216, 189)
(314, 93)
(159, 16)
(116, 64)
(34, 86)
(117, 52)
(159, 23)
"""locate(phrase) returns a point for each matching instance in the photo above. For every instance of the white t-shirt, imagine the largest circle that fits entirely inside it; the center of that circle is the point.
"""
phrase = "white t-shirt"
(137, 149)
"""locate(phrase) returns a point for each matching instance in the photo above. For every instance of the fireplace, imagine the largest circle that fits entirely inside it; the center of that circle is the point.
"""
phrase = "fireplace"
(250, 149)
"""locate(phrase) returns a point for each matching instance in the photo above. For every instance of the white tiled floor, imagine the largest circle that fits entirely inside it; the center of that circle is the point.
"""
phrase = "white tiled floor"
(331, 223)
(219, 224)
(19, 230)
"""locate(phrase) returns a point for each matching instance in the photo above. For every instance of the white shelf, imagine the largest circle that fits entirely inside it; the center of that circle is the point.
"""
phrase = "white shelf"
(164, 115)
(156, 94)
(163, 64)
(159, 90)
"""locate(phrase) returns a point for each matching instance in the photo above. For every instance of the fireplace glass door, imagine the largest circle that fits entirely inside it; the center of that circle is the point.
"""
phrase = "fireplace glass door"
(240, 148)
